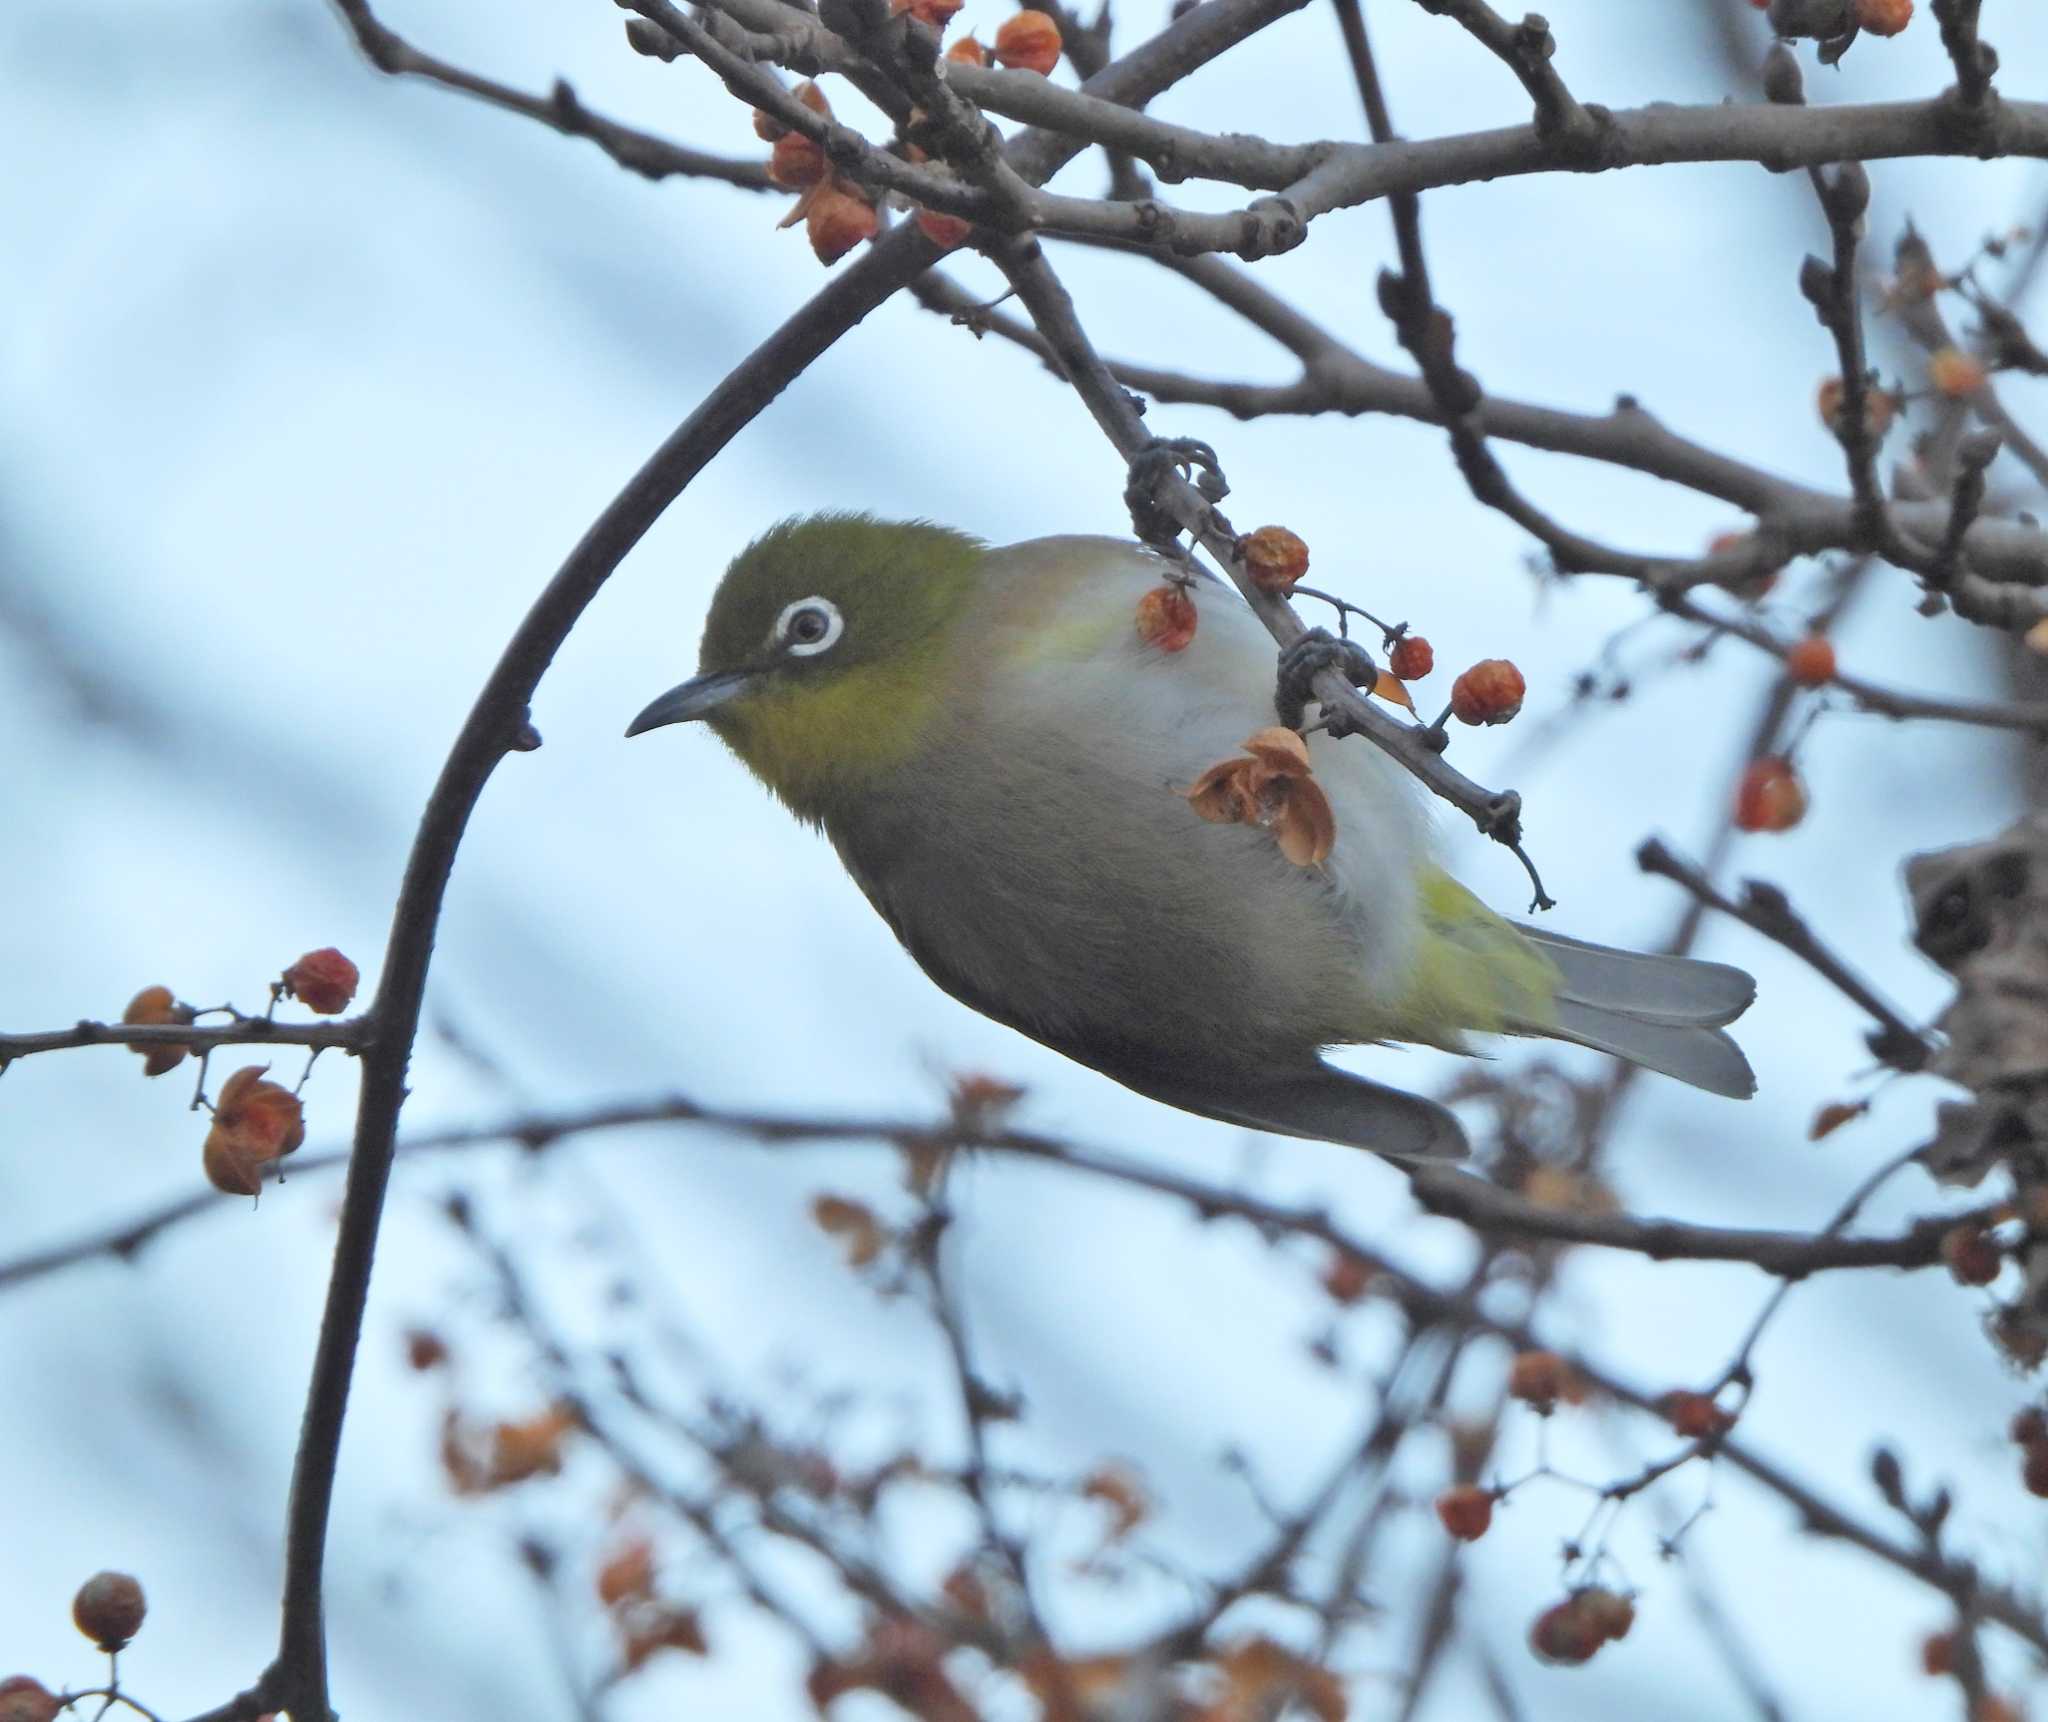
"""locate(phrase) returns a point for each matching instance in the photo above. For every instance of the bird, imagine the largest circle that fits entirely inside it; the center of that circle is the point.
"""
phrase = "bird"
(1012, 771)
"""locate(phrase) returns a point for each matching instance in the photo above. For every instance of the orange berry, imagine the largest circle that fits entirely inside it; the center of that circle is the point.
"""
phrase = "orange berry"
(1563, 1634)
(837, 220)
(1542, 1378)
(1811, 662)
(1466, 1510)
(1971, 1254)
(1274, 557)
(1347, 1278)
(1992, 1708)
(1029, 41)
(425, 1349)
(1167, 618)
(1695, 1415)
(968, 52)
(1954, 372)
(1884, 17)
(937, 13)
(108, 1609)
(1412, 658)
(942, 229)
(254, 1123)
(26, 1700)
(767, 127)
(1608, 1613)
(1879, 408)
(1770, 796)
(813, 98)
(155, 1005)
(322, 981)
(1938, 1653)
(1489, 692)
(796, 161)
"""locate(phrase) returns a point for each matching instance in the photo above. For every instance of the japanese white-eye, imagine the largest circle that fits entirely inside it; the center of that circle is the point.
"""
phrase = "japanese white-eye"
(1005, 765)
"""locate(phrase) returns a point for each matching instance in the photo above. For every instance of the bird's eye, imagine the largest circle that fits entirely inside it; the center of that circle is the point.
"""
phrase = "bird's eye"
(809, 626)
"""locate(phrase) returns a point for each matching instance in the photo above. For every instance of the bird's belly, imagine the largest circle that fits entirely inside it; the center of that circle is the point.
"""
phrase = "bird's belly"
(1052, 874)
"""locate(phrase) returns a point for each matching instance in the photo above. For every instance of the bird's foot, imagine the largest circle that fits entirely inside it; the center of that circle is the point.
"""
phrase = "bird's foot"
(1197, 460)
(1316, 651)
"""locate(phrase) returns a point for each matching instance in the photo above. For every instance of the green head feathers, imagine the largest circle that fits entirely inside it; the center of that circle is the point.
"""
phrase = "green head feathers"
(826, 651)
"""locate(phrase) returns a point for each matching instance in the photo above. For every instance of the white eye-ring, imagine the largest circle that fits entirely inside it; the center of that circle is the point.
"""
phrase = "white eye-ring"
(809, 626)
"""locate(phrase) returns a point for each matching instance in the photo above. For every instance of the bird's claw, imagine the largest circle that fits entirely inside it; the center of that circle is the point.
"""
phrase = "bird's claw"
(1197, 460)
(1316, 651)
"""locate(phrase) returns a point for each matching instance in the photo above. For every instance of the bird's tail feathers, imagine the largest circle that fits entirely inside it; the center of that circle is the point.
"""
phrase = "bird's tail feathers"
(1704, 1057)
(1664, 1013)
(1638, 984)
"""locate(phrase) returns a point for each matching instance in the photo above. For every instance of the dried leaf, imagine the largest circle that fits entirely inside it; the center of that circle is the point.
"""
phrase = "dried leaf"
(628, 1573)
(1391, 687)
(1833, 1116)
(853, 1224)
(1305, 824)
(1122, 1490)
(1275, 787)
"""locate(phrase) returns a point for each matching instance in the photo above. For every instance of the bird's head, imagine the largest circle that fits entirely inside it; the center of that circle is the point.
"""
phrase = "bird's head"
(827, 652)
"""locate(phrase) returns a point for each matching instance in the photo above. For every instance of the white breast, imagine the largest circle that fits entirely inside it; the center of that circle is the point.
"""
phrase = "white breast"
(1068, 674)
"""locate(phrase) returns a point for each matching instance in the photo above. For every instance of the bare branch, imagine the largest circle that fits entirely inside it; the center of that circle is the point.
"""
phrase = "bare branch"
(561, 110)
(1766, 908)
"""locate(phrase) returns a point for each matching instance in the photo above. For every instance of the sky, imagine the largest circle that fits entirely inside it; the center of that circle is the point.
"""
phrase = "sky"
(309, 378)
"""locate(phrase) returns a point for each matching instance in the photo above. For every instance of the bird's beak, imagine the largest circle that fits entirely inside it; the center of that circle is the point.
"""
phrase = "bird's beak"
(693, 700)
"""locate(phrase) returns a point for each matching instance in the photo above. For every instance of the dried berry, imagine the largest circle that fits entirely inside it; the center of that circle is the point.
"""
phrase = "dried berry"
(1541, 1379)
(425, 1349)
(1029, 41)
(1489, 692)
(968, 52)
(1879, 408)
(1971, 1254)
(837, 220)
(1274, 557)
(796, 162)
(1347, 1277)
(1884, 17)
(1167, 617)
(26, 1700)
(322, 981)
(937, 13)
(1563, 1634)
(1938, 1653)
(1811, 662)
(254, 1123)
(1607, 1612)
(1411, 658)
(1770, 796)
(1466, 1511)
(1954, 372)
(1695, 1415)
(108, 1609)
(157, 1005)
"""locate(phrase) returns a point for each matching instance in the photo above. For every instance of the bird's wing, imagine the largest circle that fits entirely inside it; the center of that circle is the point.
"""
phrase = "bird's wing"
(1316, 1102)
(1311, 1100)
